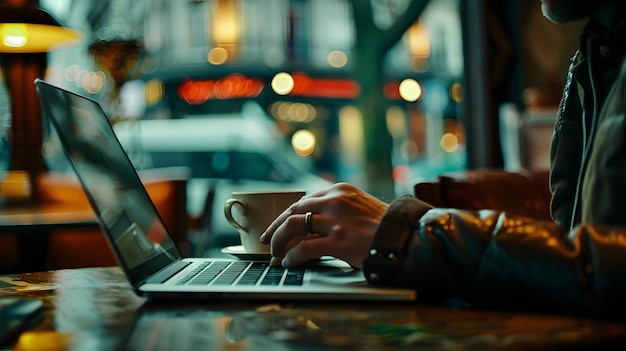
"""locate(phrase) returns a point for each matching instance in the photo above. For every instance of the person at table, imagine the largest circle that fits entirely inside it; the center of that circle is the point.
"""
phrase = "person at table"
(575, 263)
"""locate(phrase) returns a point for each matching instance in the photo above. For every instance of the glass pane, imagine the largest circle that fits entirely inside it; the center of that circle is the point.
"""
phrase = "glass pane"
(299, 76)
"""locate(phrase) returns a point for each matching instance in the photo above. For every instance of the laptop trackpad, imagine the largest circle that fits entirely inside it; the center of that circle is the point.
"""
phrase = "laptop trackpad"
(335, 270)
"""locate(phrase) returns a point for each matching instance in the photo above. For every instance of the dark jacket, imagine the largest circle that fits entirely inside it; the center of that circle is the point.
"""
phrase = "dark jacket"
(576, 263)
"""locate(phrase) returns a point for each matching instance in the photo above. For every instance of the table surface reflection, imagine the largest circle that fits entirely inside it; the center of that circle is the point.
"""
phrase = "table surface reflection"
(96, 309)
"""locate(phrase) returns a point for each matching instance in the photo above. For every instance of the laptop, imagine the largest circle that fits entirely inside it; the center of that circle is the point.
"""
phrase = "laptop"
(141, 244)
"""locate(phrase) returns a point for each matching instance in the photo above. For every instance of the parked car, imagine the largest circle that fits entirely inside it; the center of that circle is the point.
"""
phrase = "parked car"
(226, 153)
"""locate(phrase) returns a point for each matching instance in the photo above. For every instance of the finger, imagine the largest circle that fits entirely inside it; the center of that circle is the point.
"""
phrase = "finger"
(294, 230)
(291, 229)
(307, 250)
(266, 237)
(275, 261)
(312, 203)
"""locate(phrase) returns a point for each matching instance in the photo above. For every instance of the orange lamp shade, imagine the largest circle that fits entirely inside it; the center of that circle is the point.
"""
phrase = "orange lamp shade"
(31, 30)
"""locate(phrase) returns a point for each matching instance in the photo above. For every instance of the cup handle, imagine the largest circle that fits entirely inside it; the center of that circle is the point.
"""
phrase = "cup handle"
(229, 214)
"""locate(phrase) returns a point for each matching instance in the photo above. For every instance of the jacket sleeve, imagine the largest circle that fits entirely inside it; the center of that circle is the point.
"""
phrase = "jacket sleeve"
(488, 258)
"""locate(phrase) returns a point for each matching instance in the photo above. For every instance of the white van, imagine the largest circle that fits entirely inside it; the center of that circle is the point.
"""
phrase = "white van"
(230, 152)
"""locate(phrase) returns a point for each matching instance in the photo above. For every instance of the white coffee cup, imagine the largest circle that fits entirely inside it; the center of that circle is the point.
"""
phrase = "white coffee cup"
(255, 212)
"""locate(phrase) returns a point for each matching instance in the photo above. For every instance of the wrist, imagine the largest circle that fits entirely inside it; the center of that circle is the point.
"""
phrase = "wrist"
(385, 260)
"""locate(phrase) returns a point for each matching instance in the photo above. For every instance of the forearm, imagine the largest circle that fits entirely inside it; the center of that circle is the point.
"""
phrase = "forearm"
(488, 258)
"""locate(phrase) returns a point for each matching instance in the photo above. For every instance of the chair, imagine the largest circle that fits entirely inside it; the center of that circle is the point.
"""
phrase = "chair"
(9, 253)
(523, 192)
(86, 246)
(199, 226)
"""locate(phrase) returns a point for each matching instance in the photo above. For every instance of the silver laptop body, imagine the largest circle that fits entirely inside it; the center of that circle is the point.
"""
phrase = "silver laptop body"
(140, 242)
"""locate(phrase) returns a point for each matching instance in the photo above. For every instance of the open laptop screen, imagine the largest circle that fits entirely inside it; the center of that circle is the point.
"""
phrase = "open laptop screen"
(125, 212)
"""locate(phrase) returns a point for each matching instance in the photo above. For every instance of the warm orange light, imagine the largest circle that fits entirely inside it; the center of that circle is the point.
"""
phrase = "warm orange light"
(30, 38)
(154, 91)
(28, 29)
(14, 35)
(332, 88)
(44, 340)
(456, 92)
(419, 42)
(239, 86)
(229, 87)
(449, 142)
(392, 91)
(225, 24)
(351, 136)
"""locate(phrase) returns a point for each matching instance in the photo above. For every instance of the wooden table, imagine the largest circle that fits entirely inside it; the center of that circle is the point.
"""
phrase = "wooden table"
(95, 309)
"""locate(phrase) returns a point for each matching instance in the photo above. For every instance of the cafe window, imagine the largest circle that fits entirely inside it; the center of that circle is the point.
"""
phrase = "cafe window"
(307, 39)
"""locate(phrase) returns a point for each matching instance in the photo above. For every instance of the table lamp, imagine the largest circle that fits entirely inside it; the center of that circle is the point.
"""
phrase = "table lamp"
(27, 33)
(28, 29)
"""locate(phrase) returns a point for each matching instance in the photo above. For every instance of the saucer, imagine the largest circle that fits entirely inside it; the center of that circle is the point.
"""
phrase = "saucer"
(239, 252)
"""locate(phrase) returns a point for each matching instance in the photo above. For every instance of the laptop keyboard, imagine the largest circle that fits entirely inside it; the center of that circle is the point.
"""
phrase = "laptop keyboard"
(242, 273)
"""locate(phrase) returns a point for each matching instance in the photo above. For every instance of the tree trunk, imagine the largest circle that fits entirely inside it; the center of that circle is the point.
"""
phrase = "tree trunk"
(371, 45)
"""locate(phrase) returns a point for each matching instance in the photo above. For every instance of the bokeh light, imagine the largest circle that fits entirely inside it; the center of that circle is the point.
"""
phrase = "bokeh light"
(303, 142)
(449, 142)
(410, 90)
(154, 91)
(217, 56)
(337, 58)
(14, 34)
(409, 149)
(402, 174)
(282, 83)
(93, 81)
(71, 72)
(298, 112)
(456, 92)
(90, 81)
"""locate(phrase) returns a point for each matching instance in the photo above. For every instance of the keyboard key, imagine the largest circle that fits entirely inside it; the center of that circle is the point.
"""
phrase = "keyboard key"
(193, 273)
(253, 274)
(208, 274)
(231, 274)
(294, 277)
(274, 276)
(242, 273)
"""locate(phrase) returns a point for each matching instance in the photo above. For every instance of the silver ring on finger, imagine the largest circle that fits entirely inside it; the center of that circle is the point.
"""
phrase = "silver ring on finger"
(307, 222)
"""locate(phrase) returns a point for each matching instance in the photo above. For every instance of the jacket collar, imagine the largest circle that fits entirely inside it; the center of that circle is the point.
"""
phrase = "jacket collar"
(602, 51)
(605, 32)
